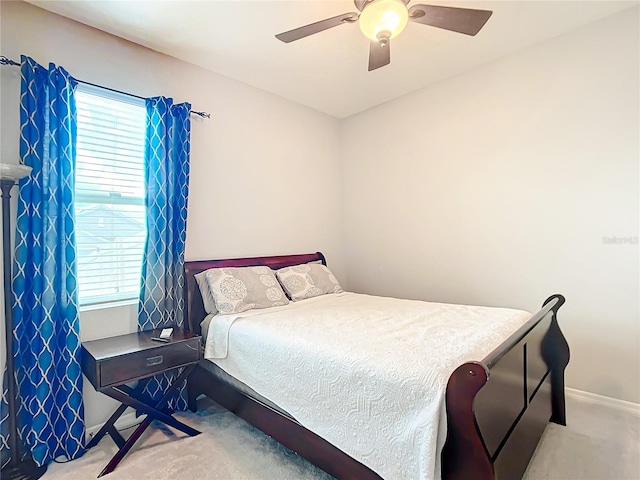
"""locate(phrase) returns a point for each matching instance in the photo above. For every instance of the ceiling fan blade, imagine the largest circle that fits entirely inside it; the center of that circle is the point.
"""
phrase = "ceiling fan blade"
(379, 54)
(461, 20)
(301, 32)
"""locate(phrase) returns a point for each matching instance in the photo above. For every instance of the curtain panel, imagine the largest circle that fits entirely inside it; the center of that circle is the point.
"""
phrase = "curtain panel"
(45, 309)
(167, 188)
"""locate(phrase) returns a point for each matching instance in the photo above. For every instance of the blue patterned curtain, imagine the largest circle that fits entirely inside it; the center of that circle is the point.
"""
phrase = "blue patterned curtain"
(45, 309)
(167, 187)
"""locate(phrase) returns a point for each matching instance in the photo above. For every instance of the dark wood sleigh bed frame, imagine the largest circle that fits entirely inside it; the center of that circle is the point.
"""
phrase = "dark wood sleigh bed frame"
(497, 409)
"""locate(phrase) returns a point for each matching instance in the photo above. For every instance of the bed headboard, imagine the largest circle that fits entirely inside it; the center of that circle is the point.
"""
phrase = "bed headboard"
(194, 306)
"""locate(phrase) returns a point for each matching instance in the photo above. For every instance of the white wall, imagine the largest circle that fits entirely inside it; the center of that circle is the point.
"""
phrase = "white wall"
(497, 187)
(265, 176)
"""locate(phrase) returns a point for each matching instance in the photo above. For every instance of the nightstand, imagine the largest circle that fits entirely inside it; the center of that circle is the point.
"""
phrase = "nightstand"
(111, 363)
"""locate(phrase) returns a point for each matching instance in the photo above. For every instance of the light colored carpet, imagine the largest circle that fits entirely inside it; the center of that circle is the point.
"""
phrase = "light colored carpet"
(599, 443)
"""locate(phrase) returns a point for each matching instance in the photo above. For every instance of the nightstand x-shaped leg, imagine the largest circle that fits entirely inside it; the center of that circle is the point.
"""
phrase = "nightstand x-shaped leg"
(130, 397)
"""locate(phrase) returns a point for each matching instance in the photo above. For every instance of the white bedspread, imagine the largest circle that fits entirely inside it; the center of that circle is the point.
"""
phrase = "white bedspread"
(368, 374)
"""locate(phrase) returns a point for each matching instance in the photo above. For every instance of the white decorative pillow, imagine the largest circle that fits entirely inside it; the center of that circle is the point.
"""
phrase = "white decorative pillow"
(308, 280)
(239, 289)
(205, 291)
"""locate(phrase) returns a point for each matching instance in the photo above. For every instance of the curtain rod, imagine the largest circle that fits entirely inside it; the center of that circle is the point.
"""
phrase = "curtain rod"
(7, 61)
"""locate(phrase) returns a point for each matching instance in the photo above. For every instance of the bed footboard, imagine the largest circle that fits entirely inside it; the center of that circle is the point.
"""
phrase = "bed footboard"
(497, 409)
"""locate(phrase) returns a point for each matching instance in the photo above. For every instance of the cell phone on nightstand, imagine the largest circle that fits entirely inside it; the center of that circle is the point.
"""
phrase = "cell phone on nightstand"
(165, 335)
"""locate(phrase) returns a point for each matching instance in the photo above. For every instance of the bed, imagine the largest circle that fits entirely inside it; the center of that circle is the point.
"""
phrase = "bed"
(496, 408)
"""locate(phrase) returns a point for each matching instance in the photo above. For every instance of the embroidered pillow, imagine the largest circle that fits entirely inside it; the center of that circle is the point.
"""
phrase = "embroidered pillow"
(307, 281)
(205, 291)
(239, 289)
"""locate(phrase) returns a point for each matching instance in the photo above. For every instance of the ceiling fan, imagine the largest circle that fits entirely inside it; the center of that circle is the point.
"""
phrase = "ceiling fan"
(382, 20)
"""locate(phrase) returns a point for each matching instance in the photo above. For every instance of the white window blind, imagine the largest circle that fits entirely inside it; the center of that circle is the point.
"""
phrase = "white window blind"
(109, 204)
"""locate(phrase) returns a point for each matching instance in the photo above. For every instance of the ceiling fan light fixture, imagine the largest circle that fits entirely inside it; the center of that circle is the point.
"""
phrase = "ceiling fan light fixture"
(383, 19)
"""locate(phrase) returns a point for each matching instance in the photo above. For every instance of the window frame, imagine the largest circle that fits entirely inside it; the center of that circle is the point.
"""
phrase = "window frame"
(108, 198)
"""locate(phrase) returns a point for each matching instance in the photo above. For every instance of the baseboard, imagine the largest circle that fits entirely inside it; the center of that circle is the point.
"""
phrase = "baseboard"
(125, 421)
(594, 398)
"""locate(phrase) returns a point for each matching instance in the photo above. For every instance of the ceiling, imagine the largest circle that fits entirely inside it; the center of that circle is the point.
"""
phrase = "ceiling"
(326, 71)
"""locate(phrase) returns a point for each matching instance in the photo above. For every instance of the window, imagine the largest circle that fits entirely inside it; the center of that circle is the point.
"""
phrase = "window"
(109, 204)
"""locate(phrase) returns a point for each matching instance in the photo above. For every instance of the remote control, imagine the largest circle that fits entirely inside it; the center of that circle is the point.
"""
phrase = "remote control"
(160, 339)
(166, 333)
